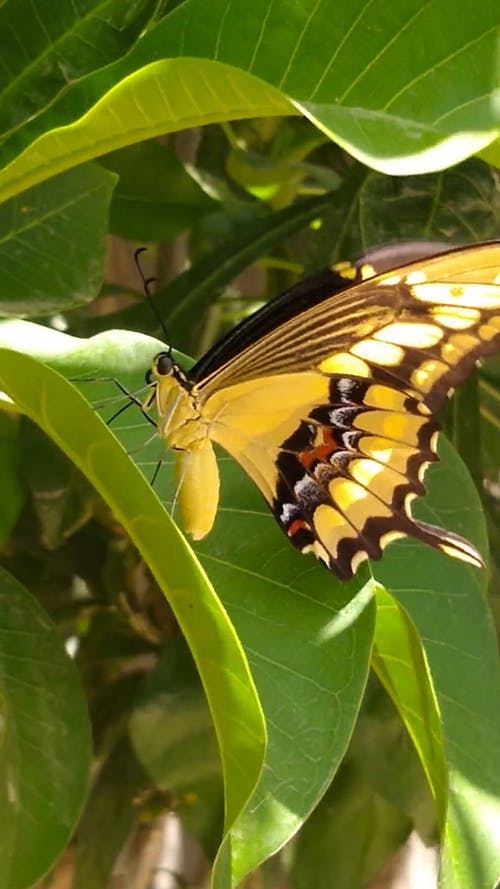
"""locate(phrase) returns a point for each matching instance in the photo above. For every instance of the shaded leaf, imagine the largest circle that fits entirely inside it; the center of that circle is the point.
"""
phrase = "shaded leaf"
(156, 198)
(52, 243)
(348, 837)
(109, 817)
(11, 482)
(44, 53)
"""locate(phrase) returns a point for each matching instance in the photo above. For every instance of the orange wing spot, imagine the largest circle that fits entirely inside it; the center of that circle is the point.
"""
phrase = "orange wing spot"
(296, 526)
(325, 445)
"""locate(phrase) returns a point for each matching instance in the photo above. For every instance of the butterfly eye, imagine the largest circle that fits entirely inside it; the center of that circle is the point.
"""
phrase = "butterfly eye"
(163, 364)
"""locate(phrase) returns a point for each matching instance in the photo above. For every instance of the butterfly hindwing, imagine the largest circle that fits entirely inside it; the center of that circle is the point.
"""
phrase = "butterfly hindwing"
(347, 476)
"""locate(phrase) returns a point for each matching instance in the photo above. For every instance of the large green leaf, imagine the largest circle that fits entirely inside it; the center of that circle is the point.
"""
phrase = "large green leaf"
(72, 424)
(377, 82)
(44, 740)
(204, 91)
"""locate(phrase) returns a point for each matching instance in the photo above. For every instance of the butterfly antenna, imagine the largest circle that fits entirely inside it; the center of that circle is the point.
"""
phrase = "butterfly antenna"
(146, 282)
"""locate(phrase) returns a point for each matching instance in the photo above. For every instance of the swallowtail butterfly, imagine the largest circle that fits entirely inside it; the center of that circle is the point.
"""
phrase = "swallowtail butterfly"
(327, 398)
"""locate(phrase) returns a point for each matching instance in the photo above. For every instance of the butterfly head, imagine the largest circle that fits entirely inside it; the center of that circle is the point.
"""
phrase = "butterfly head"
(164, 367)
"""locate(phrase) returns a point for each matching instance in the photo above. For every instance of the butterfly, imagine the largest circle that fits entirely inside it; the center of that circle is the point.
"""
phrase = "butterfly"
(327, 398)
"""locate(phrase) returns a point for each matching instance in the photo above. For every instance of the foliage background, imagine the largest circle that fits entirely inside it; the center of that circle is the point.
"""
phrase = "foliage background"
(317, 131)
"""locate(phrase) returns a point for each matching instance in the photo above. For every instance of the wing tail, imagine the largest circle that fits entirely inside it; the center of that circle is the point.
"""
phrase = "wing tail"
(448, 542)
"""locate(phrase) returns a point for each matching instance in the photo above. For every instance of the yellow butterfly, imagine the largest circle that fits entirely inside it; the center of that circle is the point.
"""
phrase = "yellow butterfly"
(327, 396)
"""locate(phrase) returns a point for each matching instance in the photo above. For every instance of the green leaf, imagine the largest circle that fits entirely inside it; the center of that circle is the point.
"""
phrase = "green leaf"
(173, 737)
(44, 740)
(98, 356)
(308, 638)
(52, 242)
(386, 758)
(400, 664)
(222, 92)
(445, 602)
(381, 84)
(170, 725)
(459, 205)
(44, 52)
(61, 498)
(72, 424)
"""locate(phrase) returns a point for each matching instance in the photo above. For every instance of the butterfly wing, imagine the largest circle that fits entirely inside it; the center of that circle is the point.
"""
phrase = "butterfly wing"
(331, 414)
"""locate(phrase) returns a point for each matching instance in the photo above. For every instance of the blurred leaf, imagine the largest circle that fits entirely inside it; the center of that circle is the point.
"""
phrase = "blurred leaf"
(11, 482)
(464, 430)
(173, 737)
(458, 205)
(44, 740)
(52, 242)
(384, 756)
(348, 837)
(489, 407)
(182, 301)
(62, 500)
(170, 725)
(489, 430)
(156, 198)
(265, 177)
(109, 817)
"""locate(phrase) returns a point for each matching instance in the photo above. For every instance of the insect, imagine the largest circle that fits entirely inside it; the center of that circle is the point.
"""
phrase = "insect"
(327, 398)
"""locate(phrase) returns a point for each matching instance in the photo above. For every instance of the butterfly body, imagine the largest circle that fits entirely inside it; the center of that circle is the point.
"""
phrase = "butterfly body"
(331, 411)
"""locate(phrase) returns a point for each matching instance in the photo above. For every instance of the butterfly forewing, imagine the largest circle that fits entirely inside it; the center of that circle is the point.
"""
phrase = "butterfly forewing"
(422, 326)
